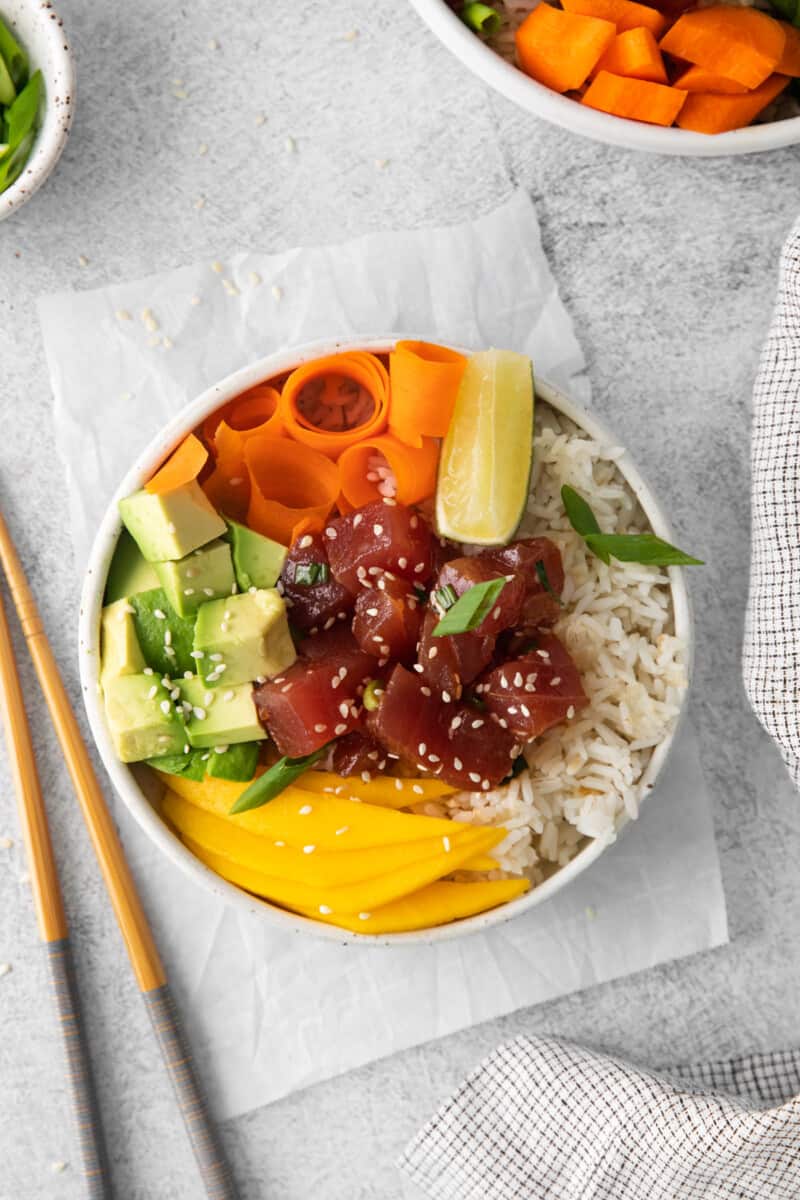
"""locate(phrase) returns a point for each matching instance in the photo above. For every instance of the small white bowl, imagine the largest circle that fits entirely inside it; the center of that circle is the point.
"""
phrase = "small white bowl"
(39, 29)
(579, 118)
(134, 784)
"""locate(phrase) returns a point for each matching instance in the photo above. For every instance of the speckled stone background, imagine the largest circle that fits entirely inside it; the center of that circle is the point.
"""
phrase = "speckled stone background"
(668, 267)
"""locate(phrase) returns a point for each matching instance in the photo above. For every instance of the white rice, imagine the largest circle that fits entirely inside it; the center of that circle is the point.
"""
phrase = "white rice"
(618, 626)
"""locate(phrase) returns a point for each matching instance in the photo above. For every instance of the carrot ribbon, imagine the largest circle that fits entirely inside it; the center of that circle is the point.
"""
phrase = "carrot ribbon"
(334, 402)
(413, 468)
(182, 466)
(425, 380)
(289, 483)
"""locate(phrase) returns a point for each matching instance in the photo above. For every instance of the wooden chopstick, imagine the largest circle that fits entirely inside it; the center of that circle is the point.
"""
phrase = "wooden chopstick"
(127, 906)
(52, 921)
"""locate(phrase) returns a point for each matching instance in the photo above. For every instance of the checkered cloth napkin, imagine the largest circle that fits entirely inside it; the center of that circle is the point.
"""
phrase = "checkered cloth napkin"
(543, 1119)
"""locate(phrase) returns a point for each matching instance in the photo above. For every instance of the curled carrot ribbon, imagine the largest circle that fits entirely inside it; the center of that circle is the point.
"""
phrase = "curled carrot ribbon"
(289, 483)
(334, 402)
(253, 414)
(424, 382)
(182, 466)
(411, 470)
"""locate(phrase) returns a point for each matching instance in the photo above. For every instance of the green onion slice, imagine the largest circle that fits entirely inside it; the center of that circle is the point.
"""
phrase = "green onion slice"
(274, 781)
(372, 694)
(471, 608)
(541, 572)
(307, 574)
(643, 548)
(481, 18)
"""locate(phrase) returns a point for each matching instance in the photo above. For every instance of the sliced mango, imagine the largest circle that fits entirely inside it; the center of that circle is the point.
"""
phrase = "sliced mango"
(436, 904)
(362, 896)
(386, 790)
(299, 817)
(308, 865)
(481, 862)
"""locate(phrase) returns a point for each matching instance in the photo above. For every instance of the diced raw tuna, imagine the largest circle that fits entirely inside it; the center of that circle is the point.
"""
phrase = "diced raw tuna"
(540, 607)
(388, 619)
(447, 663)
(315, 605)
(536, 691)
(336, 645)
(356, 753)
(466, 748)
(463, 573)
(314, 701)
(384, 536)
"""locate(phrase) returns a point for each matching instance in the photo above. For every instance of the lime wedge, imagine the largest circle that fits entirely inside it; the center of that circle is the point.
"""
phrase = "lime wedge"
(485, 466)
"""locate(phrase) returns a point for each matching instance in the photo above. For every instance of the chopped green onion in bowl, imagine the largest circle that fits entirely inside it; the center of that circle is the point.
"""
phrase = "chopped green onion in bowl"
(21, 99)
(481, 18)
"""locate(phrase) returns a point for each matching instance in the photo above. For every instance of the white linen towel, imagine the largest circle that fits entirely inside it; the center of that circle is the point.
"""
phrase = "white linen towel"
(544, 1119)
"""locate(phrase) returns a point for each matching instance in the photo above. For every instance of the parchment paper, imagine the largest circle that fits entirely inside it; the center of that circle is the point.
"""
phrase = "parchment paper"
(269, 1012)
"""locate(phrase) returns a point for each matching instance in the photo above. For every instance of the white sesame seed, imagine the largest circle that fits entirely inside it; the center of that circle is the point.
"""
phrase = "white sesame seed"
(227, 695)
(434, 650)
(426, 691)
(446, 697)
(165, 706)
(223, 626)
(518, 680)
(151, 695)
(422, 748)
(5, 969)
(372, 612)
(325, 910)
(365, 777)
(188, 591)
(344, 829)
(556, 681)
(570, 712)
(277, 292)
(457, 763)
(320, 728)
(377, 530)
(291, 145)
(523, 708)
(330, 532)
(149, 671)
(197, 654)
(159, 615)
(280, 845)
(309, 849)
(446, 844)
(414, 522)
(474, 777)
(175, 693)
(418, 789)
(364, 916)
(486, 785)
(419, 568)
(170, 526)
(402, 563)
(434, 758)
(199, 714)
(186, 748)
(305, 810)
(207, 698)
(418, 668)
(207, 591)
(339, 730)
(217, 658)
(357, 519)
(167, 637)
(477, 724)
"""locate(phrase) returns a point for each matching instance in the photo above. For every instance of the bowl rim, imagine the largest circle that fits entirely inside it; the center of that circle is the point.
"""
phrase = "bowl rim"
(515, 85)
(56, 124)
(123, 777)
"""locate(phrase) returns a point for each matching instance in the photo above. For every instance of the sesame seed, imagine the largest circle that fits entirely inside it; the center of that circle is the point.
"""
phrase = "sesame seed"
(446, 844)
(377, 530)
(414, 522)
(372, 612)
(167, 637)
(213, 657)
(165, 706)
(309, 849)
(426, 691)
(305, 542)
(523, 708)
(228, 695)
(227, 614)
(344, 829)
(291, 145)
(331, 621)
(277, 292)
(153, 692)
(503, 681)
(223, 626)
(518, 680)
(496, 614)
(320, 728)
(305, 810)
(456, 721)
(457, 763)
(418, 668)
(280, 845)
(323, 908)
(159, 615)
(357, 519)
(149, 671)
(446, 697)
(221, 749)
(543, 654)
(330, 532)
(555, 682)
(187, 748)
(5, 968)
(207, 591)
(207, 699)
(365, 777)
(486, 785)
(339, 730)
(188, 591)
(175, 694)
(344, 708)
(199, 714)
(477, 724)
(364, 916)
(418, 789)
(434, 758)
(434, 650)
(419, 568)
(402, 563)
(570, 712)
(474, 777)
(196, 654)
(512, 710)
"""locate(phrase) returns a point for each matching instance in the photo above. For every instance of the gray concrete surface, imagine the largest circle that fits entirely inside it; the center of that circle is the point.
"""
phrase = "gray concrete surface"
(668, 267)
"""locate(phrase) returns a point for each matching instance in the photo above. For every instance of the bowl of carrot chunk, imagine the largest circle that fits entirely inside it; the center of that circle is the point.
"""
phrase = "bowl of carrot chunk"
(665, 76)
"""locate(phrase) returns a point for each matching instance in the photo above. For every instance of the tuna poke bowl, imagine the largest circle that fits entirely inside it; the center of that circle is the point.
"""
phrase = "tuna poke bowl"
(388, 641)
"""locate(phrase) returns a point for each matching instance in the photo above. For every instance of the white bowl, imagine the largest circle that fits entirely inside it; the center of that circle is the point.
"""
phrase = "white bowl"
(40, 30)
(602, 127)
(134, 784)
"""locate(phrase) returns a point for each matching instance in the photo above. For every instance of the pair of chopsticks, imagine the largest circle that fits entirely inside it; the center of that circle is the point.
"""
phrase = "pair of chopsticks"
(53, 928)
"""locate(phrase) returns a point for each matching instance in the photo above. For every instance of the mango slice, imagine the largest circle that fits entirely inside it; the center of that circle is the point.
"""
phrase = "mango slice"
(386, 790)
(436, 904)
(299, 818)
(362, 896)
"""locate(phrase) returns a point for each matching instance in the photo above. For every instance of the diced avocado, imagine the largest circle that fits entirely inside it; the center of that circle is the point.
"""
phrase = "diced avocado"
(190, 766)
(120, 652)
(257, 560)
(165, 639)
(243, 637)
(197, 578)
(129, 572)
(238, 762)
(142, 718)
(220, 718)
(172, 524)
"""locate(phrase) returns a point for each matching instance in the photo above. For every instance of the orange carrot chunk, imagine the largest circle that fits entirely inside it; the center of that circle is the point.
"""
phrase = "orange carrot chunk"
(289, 483)
(789, 63)
(698, 79)
(334, 402)
(738, 43)
(254, 412)
(634, 98)
(182, 466)
(625, 14)
(634, 54)
(559, 49)
(385, 466)
(704, 113)
(424, 379)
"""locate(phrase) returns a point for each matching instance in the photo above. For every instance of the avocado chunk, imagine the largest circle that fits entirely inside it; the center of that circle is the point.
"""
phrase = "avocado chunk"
(243, 637)
(165, 639)
(257, 560)
(197, 578)
(172, 524)
(120, 652)
(218, 718)
(142, 718)
(129, 572)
